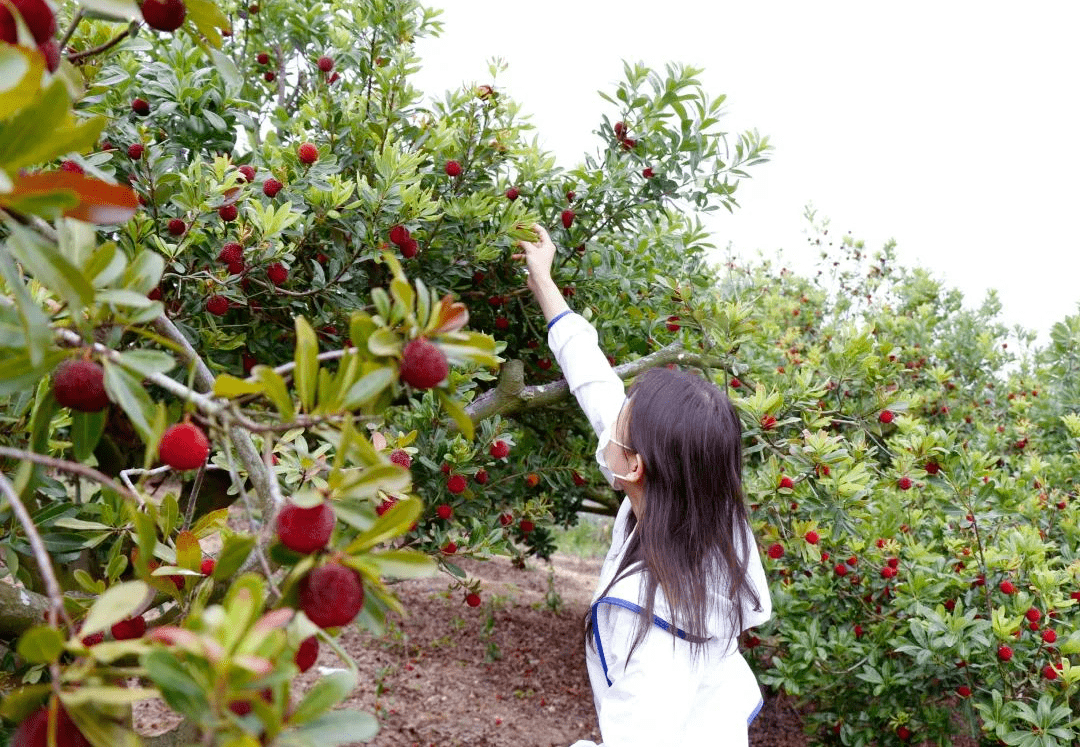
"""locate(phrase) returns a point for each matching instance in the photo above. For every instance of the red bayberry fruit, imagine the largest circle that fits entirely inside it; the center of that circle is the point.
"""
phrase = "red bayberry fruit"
(904, 483)
(423, 364)
(1004, 652)
(217, 305)
(768, 422)
(859, 631)
(501, 322)
(786, 482)
(629, 143)
(893, 562)
(177, 227)
(231, 252)
(305, 530)
(307, 654)
(568, 218)
(673, 323)
(93, 639)
(577, 478)
(812, 537)
(184, 446)
(481, 476)
(532, 479)
(903, 732)
(1049, 672)
(129, 628)
(135, 151)
(206, 567)
(385, 506)
(885, 416)
(332, 79)
(276, 273)
(140, 107)
(248, 172)
(1049, 636)
(526, 526)
(331, 595)
(228, 212)
(271, 187)
(512, 193)
(1007, 587)
(399, 234)
(453, 168)
(400, 456)
(80, 385)
(888, 572)
(262, 58)
(840, 569)
(164, 15)
(444, 511)
(735, 383)
(506, 519)
(269, 76)
(544, 363)
(570, 195)
(500, 449)
(33, 730)
(71, 167)
(326, 64)
(449, 548)
(620, 130)
(1033, 615)
(456, 484)
(307, 153)
(648, 173)
(472, 599)
(409, 248)
(38, 17)
(932, 468)
(776, 550)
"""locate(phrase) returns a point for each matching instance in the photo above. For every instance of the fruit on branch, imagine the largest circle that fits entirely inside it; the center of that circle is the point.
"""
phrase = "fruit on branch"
(500, 449)
(140, 107)
(228, 212)
(453, 168)
(472, 599)
(177, 227)
(568, 218)
(331, 595)
(184, 446)
(307, 654)
(262, 58)
(307, 153)
(423, 364)
(164, 15)
(400, 456)
(248, 172)
(277, 274)
(34, 729)
(325, 63)
(231, 252)
(456, 484)
(305, 530)
(271, 187)
(135, 151)
(80, 385)
(269, 76)
(443, 511)
(217, 305)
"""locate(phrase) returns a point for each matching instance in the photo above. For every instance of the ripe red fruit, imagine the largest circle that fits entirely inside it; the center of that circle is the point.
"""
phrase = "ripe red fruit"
(37, 15)
(532, 479)
(80, 385)
(620, 130)
(140, 107)
(568, 216)
(400, 456)
(472, 599)
(888, 572)
(164, 15)
(629, 143)
(501, 322)
(577, 478)
(217, 305)
(228, 212)
(885, 416)
(571, 195)
(34, 729)
(500, 449)
(786, 482)
(271, 187)
(409, 248)
(812, 537)
(840, 570)
(184, 446)
(768, 422)
(93, 639)
(1033, 615)
(332, 79)
(506, 519)
(648, 173)
(385, 506)
(269, 76)
(399, 234)
(1049, 672)
(526, 526)
(72, 167)
(307, 654)
(512, 193)
(135, 151)
(231, 252)
(331, 595)
(423, 364)
(262, 58)
(456, 484)
(326, 64)
(453, 168)
(1049, 636)
(932, 468)
(307, 153)
(776, 551)
(248, 172)
(129, 628)
(207, 566)
(481, 476)
(277, 273)
(859, 630)
(177, 227)
(444, 511)
(449, 548)
(904, 483)
(903, 732)
(673, 324)
(305, 530)
(1004, 652)
(963, 691)
(544, 363)
(1007, 587)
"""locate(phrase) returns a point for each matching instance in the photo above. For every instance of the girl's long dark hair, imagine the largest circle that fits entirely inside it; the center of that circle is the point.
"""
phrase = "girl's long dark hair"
(691, 535)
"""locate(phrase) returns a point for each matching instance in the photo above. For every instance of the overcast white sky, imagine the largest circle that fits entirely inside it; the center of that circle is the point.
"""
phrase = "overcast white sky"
(952, 127)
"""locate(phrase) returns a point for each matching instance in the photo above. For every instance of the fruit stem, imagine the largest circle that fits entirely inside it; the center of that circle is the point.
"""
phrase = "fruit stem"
(71, 29)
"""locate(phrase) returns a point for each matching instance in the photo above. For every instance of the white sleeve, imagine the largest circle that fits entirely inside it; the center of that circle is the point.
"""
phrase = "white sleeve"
(651, 698)
(575, 345)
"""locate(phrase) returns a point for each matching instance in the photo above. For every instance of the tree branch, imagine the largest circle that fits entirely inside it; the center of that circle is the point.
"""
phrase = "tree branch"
(20, 609)
(66, 466)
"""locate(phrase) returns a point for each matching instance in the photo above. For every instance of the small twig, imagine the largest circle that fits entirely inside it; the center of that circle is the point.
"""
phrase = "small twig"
(79, 469)
(189, 514)
(106, 46)
(259, 532)
(71, 29)
(125, 475)
(52, 585)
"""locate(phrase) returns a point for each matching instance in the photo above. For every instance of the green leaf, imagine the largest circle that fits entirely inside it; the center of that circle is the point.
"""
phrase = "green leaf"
(368, 482)
(45, 129)
(34, 321)
(86, 430)
(276, 390)
(333, 730)
(385, 342)
(113, 10)
(20, 75)
(146, 363)
(229, 386)
(229, 73)
(305, 375)
(234, 552)
(394, 522)
(103, 695)
(457, 412)
(368, 387)
(324, 695)
(403, 564)
(188, 552)
(128, 392)
(116, 604)
(178, 688)
(40, 645)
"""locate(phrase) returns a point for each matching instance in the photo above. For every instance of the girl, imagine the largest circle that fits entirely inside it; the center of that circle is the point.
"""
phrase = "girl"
(683, 577)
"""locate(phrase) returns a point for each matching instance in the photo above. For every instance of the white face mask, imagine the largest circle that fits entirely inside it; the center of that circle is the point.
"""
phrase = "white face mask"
(605, 439)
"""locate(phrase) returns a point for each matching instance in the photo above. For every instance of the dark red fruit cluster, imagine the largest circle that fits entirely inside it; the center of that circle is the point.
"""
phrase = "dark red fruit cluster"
(305, 530)
(400, 237)
(184, 446)
(331, 595)
(80, 385)
(423, 364)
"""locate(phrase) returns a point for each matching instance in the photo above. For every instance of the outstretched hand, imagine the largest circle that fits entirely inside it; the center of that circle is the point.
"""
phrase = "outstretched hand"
(538, 257)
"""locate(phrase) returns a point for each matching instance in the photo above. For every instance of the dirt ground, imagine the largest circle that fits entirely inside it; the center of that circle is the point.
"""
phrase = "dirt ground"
(508, 673)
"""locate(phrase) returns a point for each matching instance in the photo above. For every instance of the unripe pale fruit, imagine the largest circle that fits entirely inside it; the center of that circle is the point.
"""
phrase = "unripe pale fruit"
(423, 364)
(164, 15)
(80, 385)
(305, 530)
(307, 153)
(331, 595)
(184, 446)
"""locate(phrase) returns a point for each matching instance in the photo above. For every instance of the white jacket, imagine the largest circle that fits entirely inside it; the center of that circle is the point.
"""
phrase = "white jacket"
(661, 696)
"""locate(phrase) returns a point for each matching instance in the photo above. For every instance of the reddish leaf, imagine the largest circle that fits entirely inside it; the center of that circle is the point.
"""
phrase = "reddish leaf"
(452, 316)
(96, 201)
